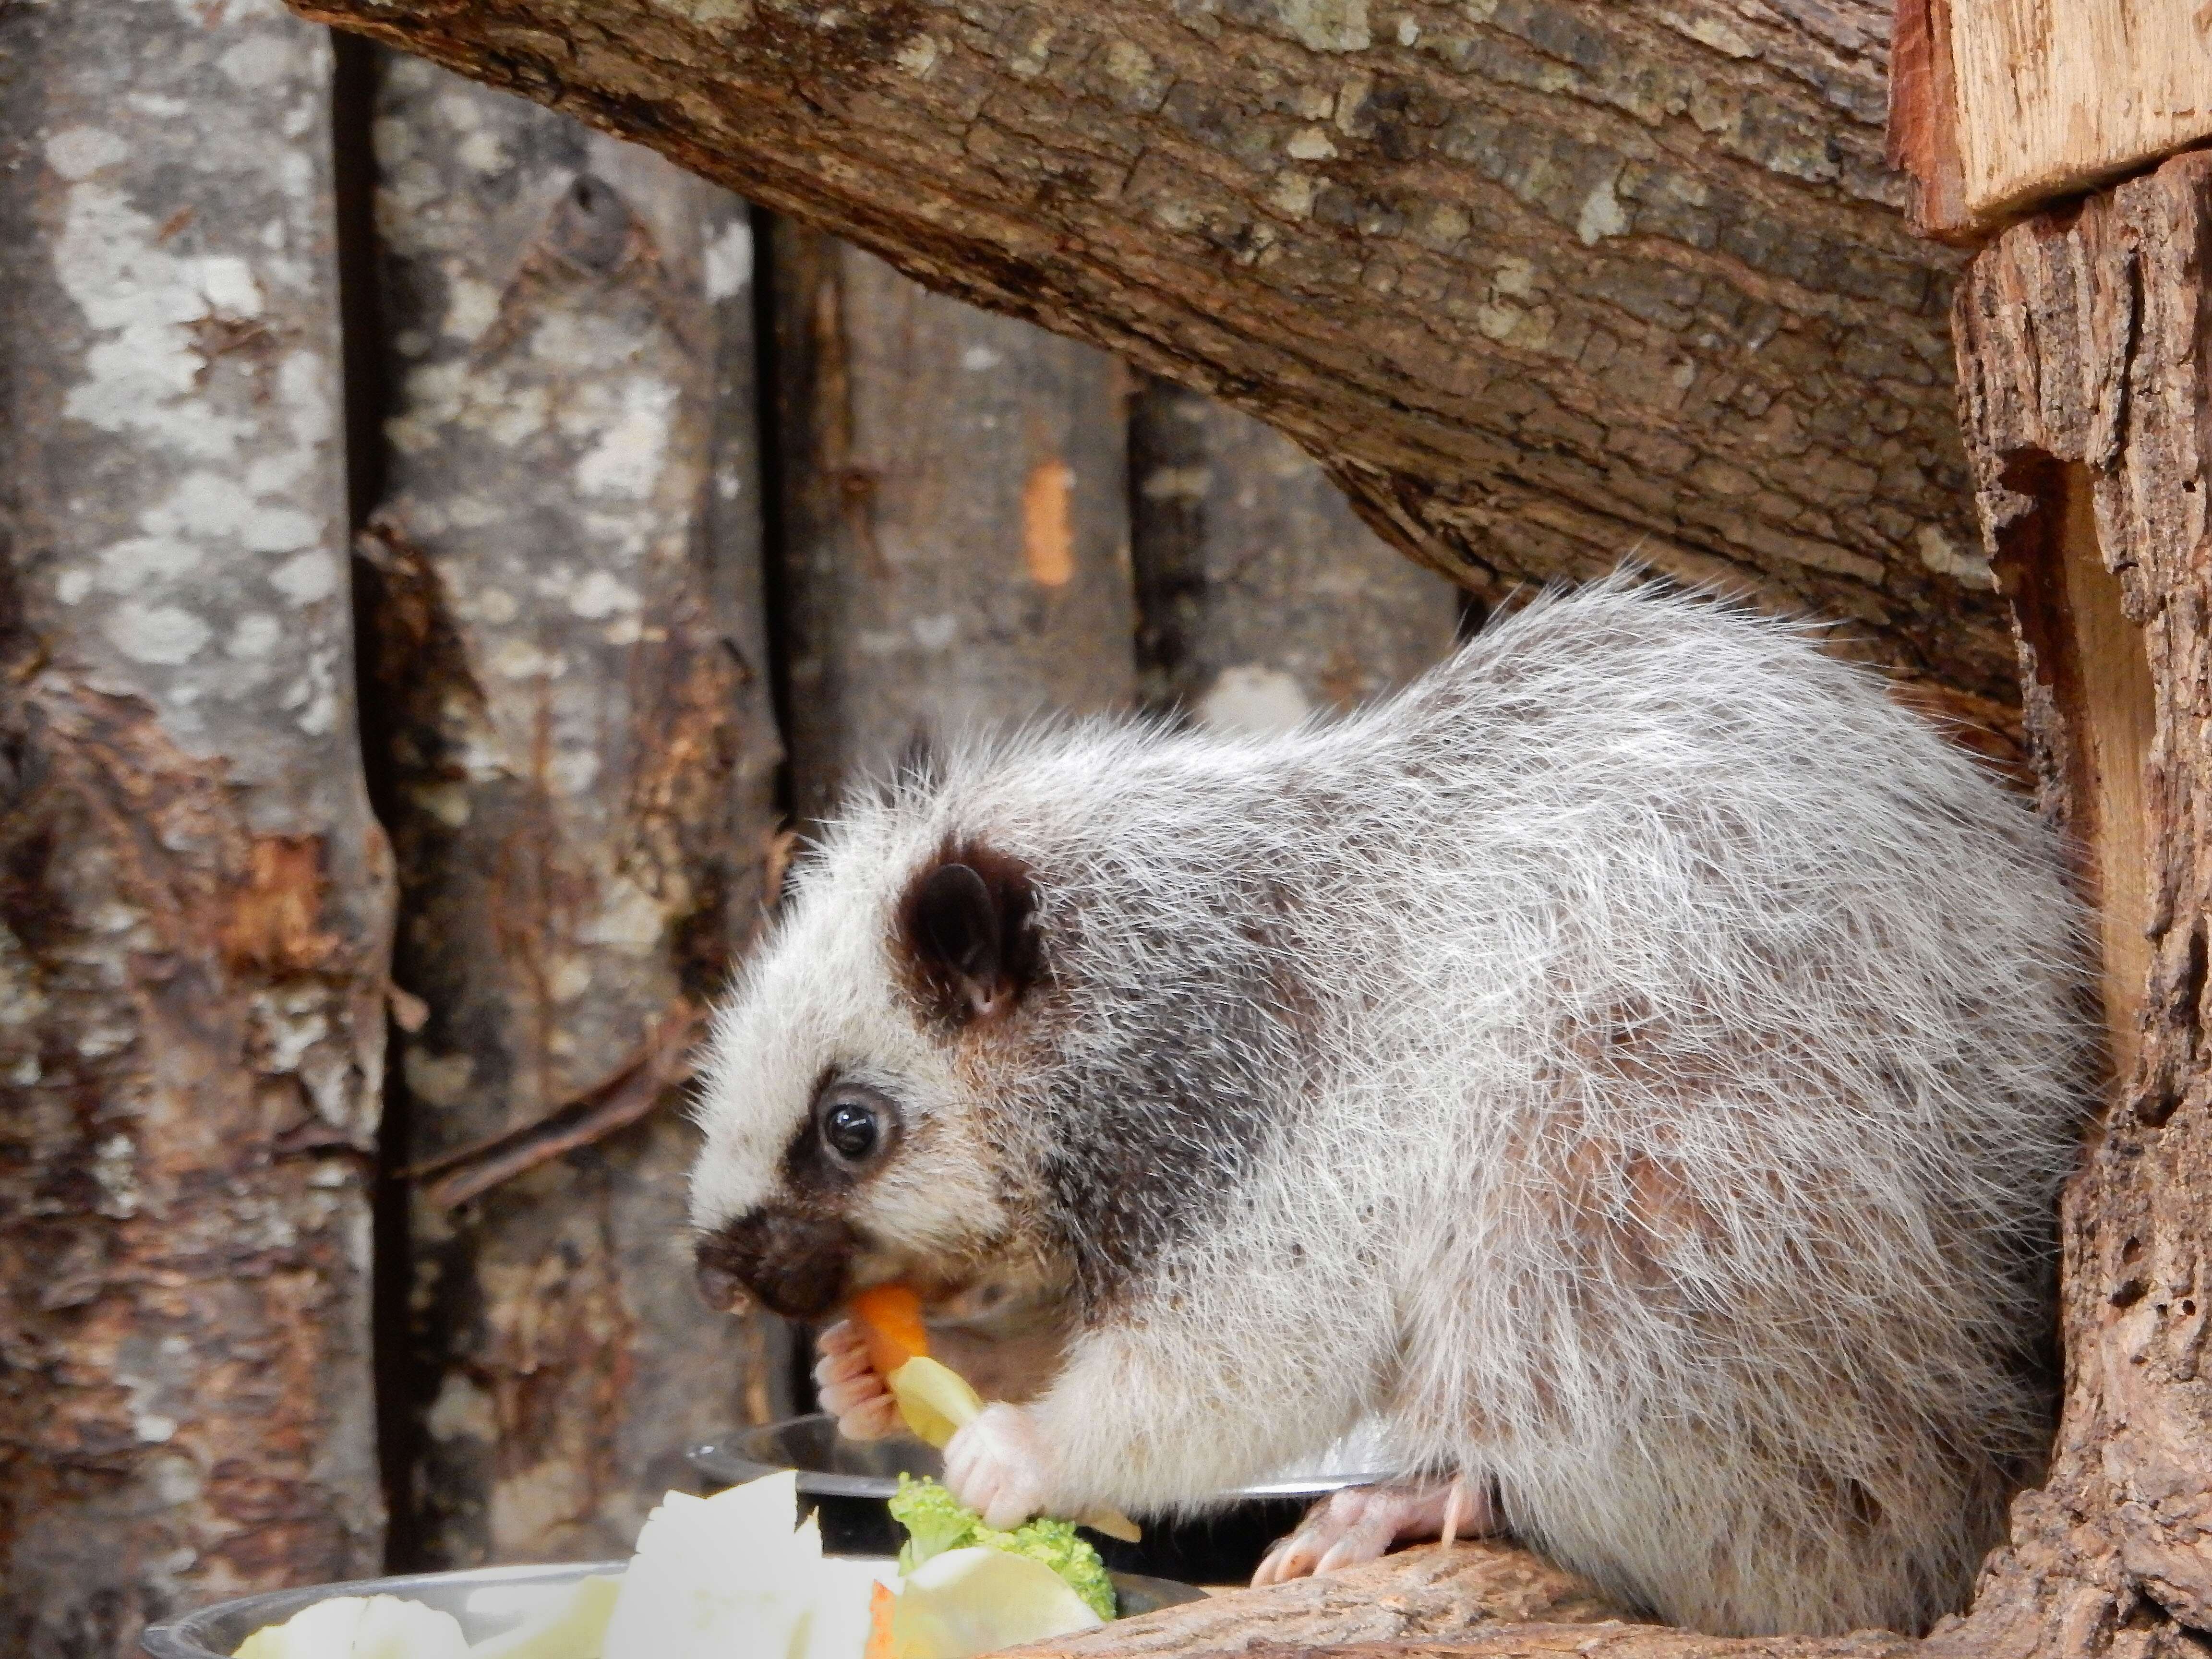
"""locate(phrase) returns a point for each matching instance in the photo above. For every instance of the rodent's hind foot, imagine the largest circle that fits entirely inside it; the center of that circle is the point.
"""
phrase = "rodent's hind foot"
(1360, 1523)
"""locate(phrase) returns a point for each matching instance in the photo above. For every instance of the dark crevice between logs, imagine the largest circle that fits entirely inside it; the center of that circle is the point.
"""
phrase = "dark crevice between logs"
(775, 588)
(1167, 543)
(2084, 657)
(772, 455)
(353, 97)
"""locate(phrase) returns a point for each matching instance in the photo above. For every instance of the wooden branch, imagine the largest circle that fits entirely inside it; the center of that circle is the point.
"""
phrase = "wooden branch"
(564, 626)
(1419, 1595)
(1476, 1600)
(1542, 286)
(615, 1102)
(967, 566)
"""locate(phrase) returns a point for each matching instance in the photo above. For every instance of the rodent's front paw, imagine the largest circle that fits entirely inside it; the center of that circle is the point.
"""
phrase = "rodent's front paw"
(1360, 1523)
(849, 1387)
(999, 1467)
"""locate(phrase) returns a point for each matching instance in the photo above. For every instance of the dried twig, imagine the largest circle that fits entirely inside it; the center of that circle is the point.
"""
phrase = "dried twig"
(618, 1100)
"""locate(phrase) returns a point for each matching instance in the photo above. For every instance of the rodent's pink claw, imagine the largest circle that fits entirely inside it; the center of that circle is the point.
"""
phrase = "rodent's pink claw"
(1360, 1523)
(848, 1386)
(998, 1467)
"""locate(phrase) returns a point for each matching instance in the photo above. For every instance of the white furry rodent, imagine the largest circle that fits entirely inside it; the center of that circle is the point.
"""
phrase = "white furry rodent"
(1636, 1064)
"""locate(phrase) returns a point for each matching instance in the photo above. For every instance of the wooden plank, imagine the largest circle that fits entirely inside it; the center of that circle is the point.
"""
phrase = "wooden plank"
(957, 542)
(567, 637)
(194, 898)
(2001, 106)
(1262, 596)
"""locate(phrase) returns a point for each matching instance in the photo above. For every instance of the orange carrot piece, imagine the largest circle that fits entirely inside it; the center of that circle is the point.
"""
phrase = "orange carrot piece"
(890, 1317)
(879, 1624)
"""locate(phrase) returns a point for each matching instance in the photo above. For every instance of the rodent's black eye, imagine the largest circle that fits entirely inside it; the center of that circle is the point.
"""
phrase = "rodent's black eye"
(852, 1129)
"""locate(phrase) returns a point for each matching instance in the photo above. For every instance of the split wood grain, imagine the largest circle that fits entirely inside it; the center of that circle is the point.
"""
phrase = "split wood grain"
(2015, 103)
(2083, 360)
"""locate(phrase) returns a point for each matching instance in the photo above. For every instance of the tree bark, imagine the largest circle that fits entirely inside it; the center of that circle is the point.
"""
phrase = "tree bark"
(1415, 1596)
(955, 517)
(2082, 342)
(194, 896)
(1543, 283)
(1262, 597)
(568, 637)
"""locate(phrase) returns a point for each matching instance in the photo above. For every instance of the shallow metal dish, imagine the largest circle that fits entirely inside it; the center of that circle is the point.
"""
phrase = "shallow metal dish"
(215, 1632)
(848, 1481)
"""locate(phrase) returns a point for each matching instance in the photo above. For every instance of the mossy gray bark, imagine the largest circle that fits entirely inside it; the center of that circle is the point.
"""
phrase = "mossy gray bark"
(567, 641)
(194, 895)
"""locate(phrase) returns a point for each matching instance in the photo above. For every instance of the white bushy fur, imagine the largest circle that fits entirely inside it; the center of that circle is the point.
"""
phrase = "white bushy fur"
(1672, 1053)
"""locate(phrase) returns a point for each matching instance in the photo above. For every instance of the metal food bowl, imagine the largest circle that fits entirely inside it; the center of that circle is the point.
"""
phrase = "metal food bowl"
(215, 1632)
(847, 1481)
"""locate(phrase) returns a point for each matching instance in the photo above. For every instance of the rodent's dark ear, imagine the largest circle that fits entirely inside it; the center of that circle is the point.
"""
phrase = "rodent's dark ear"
(967, 926)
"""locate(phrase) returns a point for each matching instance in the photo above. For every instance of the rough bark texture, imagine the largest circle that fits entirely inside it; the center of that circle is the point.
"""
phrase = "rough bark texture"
(1542, 282)
(566, 638)
(194, 897)
(955, 517)
(1262, 598)
(1426, 1592)
(2082, 346)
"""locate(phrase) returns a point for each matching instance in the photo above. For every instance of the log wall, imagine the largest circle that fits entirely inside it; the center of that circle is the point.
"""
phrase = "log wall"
(657, 544)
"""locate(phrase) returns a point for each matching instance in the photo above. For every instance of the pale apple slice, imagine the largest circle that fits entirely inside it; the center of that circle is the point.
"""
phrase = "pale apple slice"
(972, 1602)
(936, 1401)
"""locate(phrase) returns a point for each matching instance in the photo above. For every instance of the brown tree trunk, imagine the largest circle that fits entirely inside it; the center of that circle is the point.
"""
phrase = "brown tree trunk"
(1542, 284)
(955, 517)
(2082, 342)
(194, 897)
(1262, 597)
(568, 640)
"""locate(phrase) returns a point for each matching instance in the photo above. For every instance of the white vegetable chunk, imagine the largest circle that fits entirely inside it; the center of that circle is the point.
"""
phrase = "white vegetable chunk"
(970, 1601)
(706, 1567)
(361, 1627)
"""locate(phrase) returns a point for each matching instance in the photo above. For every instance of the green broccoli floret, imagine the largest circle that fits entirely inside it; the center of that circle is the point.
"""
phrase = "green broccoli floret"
(935, 1523)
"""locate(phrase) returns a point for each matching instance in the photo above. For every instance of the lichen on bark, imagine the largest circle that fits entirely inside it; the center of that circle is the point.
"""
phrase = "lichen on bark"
(194, 897)
(565, 632)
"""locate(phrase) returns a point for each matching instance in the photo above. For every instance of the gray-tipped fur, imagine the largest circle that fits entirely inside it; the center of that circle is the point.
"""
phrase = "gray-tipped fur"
(1637, 1063)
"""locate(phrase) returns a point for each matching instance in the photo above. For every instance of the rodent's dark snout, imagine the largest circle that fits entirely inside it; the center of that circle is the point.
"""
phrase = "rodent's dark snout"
(796, 1264)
